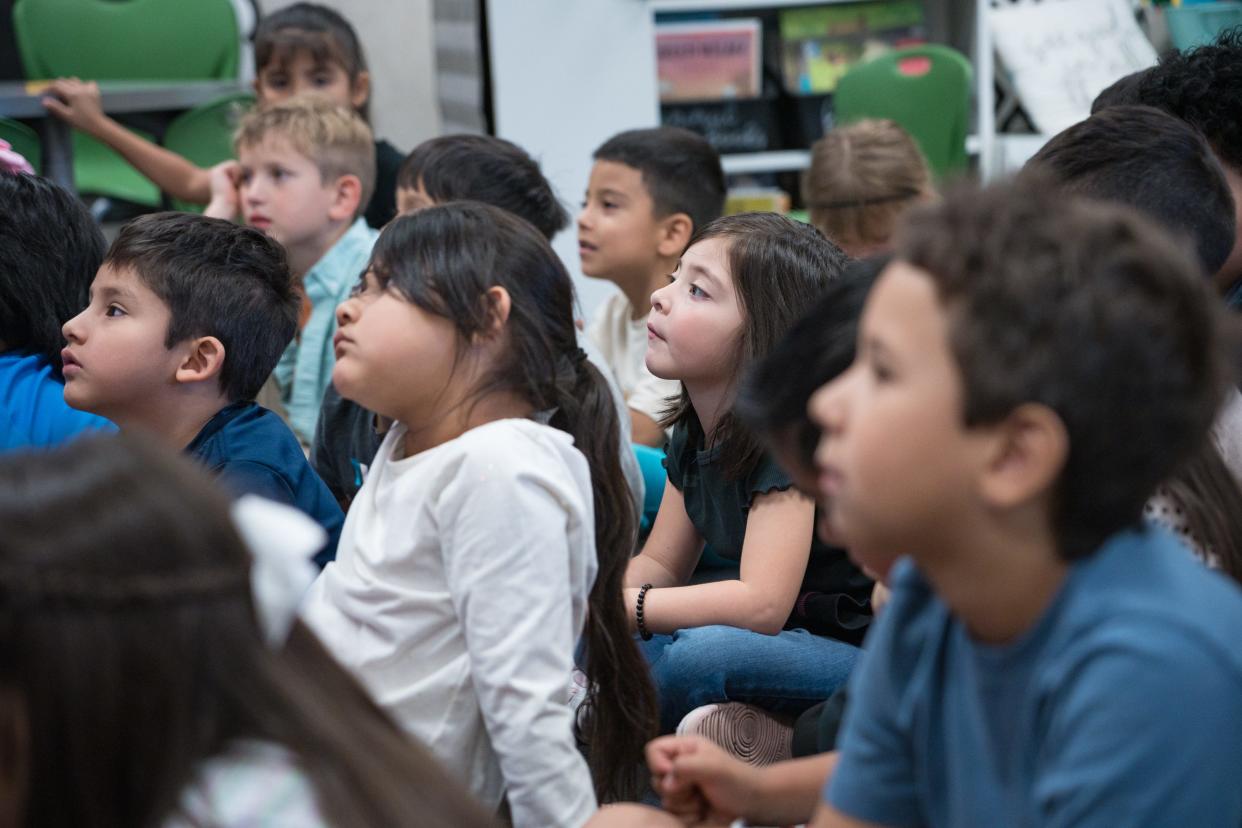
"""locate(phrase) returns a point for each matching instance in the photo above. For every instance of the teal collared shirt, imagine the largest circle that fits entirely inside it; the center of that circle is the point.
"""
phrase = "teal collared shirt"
(305, 368)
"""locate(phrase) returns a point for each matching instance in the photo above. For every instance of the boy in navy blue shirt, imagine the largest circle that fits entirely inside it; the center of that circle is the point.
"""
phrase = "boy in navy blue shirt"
(187, 317)
(1030, 366)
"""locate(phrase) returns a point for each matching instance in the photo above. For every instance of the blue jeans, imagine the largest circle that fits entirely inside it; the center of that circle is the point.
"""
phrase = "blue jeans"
(784, 673)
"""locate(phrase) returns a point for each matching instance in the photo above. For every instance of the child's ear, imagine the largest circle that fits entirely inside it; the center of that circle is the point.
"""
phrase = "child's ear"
(346, 199)
(204, 359)
(360, 90)
(497, 303)
(1028, 453)
(675, 232)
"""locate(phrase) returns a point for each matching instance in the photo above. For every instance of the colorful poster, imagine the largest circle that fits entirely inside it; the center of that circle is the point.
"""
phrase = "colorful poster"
(822, 43)
(708, 61)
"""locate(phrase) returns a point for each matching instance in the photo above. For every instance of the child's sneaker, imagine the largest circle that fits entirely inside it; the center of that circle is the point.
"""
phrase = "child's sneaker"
(749, 733)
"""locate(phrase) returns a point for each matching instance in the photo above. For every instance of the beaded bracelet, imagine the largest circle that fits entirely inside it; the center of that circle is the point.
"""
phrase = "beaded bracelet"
(638, 612)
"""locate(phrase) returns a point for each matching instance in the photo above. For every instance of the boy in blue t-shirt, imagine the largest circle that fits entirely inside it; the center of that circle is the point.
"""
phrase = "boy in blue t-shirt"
(187, 317)
(1030, 367)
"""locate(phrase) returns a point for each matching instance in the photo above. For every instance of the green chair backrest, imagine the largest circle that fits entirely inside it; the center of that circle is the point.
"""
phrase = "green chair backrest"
(204, 135)
(925, 89)
(24, 140)
(1191, 26)
(127, 39)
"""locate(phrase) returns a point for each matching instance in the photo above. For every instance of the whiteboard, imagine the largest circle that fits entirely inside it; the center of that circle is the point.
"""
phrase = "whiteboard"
(567, 75)
(1060, 54)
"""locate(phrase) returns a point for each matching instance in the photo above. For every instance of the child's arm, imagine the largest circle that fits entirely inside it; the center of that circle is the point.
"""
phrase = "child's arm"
(672, 549)
(774, 557)
(512, 586)
(78, 104)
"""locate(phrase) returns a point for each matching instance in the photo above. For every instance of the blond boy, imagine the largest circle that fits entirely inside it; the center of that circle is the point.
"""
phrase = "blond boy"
(305, 169)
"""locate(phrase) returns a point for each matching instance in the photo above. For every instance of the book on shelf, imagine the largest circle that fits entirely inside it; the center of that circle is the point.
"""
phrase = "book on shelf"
(756, 200)
(709, 60)
(821, 43)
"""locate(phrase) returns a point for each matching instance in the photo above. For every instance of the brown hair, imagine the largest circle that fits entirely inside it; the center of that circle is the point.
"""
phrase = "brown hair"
(130, 653)
(1210, 500)
(334, 137)
(778, 267)
(862, 177)
(1089, 309)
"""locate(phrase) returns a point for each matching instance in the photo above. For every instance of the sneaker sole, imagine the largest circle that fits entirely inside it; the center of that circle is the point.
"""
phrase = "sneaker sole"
(749, 733)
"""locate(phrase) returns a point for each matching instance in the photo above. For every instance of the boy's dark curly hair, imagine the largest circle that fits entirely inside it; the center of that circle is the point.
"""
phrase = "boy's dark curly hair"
(1203, 86)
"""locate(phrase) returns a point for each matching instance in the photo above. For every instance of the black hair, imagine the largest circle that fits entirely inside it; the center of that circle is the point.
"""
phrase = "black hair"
(1089, 309)
(1140, 156)
(131, 653)
(778, 267)
(218, 279)
(444, 259)
(1122, 92)
(487, 169)
(820, 346)
(317, 30)
(1203, 86)
(680, 170)
(50, 249)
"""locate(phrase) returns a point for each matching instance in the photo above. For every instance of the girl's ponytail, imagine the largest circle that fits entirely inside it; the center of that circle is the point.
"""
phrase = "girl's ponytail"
(619, 716)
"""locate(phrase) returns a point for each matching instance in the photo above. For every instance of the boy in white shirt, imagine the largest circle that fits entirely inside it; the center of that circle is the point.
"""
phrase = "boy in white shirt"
(649, 191)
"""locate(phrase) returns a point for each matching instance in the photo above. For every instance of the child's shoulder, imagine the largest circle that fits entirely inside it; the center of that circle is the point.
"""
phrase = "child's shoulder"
(512, 444)
(494, 461)
(246, 432)
(1146, 587)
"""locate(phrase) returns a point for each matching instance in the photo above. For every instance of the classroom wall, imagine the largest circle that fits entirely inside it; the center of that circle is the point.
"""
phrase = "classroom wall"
(398, 41)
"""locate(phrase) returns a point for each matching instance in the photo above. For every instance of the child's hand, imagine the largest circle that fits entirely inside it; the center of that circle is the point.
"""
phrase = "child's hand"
(698, 781)
(76, 102)
(225, 197)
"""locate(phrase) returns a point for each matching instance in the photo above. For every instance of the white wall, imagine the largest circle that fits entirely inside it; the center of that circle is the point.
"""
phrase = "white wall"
(397, 38)
(566, 75)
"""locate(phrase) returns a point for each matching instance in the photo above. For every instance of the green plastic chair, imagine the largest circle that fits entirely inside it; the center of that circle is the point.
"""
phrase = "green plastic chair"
(925, 89)
(24, 140)
(124, 40)
(204, 135)
(1195, 25)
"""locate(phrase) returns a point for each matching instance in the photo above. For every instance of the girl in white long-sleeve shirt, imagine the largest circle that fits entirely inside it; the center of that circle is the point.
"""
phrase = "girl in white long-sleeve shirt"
(493, 528)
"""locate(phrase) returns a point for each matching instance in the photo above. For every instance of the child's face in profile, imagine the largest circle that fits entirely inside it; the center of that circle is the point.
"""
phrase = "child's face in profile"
(617, 229)
(283, 194)
(895, 460)
(302, 74)
(116, 359)
(392, 356)
(696, 319)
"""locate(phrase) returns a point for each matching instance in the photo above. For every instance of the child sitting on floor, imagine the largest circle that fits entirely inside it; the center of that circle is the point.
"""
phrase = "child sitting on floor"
(50, 248)
(783, 634)
(187, 316)
(1030, 367)
(153, 659)
(304, 169)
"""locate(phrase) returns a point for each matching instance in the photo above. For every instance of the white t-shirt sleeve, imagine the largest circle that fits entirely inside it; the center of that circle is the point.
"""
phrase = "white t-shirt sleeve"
(622, 341)
(506, 544)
